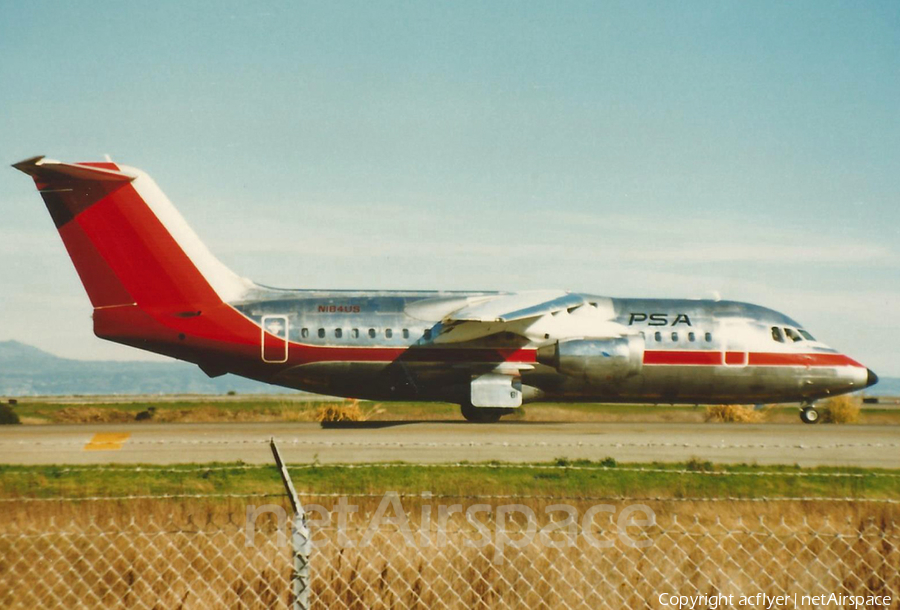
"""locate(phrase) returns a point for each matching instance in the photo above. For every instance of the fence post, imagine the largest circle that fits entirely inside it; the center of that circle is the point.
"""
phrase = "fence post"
(300, 545)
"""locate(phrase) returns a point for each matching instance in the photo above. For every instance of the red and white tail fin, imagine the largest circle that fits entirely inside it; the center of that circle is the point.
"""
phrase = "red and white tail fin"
(129, 244)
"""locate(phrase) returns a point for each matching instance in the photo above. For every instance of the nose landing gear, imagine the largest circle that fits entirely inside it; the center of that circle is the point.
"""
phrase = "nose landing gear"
(809, 415)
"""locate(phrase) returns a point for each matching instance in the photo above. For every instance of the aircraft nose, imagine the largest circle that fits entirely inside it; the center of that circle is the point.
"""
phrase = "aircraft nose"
(872, 379)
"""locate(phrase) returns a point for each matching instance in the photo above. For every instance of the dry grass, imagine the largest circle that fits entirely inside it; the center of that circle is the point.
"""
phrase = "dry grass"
(339, 413)
(732, 414)
(342, 411)
(740, 559)
(92, 415)
(841, 410)
(198, 557)
(279, 412)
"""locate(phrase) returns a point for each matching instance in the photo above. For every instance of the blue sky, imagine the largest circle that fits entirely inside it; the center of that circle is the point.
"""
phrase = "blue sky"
(627, 149)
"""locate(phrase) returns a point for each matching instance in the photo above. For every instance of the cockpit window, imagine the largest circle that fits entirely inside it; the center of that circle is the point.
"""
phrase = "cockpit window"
(777, 334)
(806, 335)
(792, 334)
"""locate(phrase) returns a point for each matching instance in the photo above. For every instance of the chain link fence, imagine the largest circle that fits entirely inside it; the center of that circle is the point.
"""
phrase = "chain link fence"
(248, 562)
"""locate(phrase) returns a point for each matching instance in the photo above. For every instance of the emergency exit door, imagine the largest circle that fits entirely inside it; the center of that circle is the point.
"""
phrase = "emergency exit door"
(274, 339)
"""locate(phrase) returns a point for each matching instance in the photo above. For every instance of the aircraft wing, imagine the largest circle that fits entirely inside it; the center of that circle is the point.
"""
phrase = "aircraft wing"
(503, 313)
(519, 306)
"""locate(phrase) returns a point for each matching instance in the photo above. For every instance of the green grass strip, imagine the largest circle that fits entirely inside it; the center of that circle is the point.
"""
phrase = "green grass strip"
(563, 478)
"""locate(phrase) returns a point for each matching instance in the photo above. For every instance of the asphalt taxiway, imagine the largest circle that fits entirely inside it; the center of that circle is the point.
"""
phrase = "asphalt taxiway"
(434, 442)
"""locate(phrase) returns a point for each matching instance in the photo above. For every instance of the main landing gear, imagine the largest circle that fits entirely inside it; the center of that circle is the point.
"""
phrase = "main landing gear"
(809, 415)
(483, 415)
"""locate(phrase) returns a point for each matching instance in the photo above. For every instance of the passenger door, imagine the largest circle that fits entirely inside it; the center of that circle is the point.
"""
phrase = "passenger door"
(734, 342)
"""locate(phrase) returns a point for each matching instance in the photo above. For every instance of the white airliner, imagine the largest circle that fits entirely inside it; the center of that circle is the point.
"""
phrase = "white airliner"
(155, 286)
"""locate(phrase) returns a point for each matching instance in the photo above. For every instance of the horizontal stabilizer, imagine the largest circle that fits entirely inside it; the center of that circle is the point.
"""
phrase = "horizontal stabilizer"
(45, 170)
(129, 244)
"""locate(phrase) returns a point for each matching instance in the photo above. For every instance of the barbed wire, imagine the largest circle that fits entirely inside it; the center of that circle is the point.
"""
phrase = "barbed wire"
(583, 498)
(429, 496)
(738, 526)
(140, 497)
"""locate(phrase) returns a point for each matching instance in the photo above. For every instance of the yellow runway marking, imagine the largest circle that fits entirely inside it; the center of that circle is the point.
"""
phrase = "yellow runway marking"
(107, 441)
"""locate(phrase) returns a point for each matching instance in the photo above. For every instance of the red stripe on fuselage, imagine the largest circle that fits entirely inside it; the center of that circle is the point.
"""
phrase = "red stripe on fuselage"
(714, 358)
(314, 353)
(813, 359)
(687, 357)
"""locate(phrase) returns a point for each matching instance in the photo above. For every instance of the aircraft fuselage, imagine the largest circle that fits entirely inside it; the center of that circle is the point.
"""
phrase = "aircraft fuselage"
(384, 346)
(154, 285)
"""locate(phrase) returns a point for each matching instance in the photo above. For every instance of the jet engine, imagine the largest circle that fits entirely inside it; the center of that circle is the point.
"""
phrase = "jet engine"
(595, 360)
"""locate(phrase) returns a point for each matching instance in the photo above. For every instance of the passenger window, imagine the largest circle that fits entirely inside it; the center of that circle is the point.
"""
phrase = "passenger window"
(691, 337)
(658, 336)
(792, 335)
(321, 333)
(388, 333)
(427, 334)
(372, 333)
(674, 336)
(304, 333)
(406, 333)
(708, 337)
(776, 334)
(355, 333)
(338, 333)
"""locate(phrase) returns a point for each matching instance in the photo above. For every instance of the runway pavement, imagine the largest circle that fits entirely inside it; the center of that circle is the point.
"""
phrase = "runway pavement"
(432, 442)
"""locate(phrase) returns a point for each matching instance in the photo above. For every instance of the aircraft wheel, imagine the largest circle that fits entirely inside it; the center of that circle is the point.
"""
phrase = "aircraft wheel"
(809, 415)
(483, 415)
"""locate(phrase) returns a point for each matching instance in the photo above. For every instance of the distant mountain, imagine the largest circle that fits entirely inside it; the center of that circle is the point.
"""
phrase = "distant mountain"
(29, 371)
